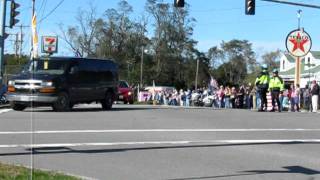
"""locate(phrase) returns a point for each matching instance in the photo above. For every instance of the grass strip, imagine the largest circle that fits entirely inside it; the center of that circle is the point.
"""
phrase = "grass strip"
(12, 172)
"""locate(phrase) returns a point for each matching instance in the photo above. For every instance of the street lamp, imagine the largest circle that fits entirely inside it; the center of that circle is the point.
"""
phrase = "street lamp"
(141, 65)
(299, 18)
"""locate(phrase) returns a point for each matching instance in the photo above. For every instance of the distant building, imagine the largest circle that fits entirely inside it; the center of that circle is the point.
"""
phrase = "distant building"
(310, 68)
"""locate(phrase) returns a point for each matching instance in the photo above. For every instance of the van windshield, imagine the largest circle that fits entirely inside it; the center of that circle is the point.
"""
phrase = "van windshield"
(46, 67)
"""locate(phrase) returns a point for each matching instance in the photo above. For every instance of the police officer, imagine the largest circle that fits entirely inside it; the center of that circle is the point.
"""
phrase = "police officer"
(276, 87)
(262, 84)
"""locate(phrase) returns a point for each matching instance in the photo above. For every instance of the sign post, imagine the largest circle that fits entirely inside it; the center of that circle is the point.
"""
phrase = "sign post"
(298, 44)
(49, 44)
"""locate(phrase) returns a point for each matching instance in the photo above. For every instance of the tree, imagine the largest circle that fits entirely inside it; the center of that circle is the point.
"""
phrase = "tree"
(172, 42)
(171, 57)
(82, 38)
(237, 59)
(272, 59)
(215, 54)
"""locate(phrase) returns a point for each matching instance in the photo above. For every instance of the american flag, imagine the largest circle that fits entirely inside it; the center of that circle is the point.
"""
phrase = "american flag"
(213, 83)
(34, 47)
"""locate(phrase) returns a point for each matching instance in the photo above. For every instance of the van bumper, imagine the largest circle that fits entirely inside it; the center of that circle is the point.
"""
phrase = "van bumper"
(31, 98)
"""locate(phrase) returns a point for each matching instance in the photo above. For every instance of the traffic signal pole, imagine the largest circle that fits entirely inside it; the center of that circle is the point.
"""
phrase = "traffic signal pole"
(2, 34)
(293, 3)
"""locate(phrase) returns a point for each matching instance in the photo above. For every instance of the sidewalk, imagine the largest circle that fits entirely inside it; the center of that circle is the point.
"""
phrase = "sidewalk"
(2, 106)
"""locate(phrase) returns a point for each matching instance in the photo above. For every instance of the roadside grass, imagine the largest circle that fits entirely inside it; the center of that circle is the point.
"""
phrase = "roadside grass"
(11, 172)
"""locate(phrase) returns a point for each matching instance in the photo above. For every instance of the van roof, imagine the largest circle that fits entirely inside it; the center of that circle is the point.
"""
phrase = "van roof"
(74, 58)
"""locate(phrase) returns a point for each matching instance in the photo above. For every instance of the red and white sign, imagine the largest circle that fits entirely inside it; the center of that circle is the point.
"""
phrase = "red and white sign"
(49, 44)
(298, 43)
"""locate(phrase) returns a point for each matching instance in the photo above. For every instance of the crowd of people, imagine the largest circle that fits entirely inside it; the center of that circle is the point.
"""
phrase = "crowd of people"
(248, 96)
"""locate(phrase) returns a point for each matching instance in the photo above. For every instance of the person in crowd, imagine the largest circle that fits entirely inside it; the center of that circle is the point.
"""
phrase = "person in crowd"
(262, 84)
(295, 98)
(253, 94)
(315, 95)
(165, 98)
(182, 98)
(233, 97)
(188, 97)
(248, 96)
(221, 97)
(306, 98)
(216, 100)
(285, 96)
(240, 97)
(276, 88)
(227, 94)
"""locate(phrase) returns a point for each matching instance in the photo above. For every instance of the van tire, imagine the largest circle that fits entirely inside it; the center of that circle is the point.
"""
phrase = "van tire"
(18, 107)
(62, 103)
(107, 101)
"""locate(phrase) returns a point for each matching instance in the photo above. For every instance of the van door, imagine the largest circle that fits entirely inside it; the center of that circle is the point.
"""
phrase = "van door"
(75, 83)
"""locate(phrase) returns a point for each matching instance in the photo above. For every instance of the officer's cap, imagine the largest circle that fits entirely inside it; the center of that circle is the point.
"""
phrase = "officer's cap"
(264, 66)
(275, 71)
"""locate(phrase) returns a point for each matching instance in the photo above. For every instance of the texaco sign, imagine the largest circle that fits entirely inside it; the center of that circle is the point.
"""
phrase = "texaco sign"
(298, 43)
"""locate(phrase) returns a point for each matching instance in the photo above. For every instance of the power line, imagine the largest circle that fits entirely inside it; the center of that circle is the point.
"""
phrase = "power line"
(51, 11)
(236, 8)
(44, 5)
(252, 21)
(41, 5)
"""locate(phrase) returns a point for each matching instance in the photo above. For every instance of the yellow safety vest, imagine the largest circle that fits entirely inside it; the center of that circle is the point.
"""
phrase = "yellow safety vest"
(263, 81)
(276, 83)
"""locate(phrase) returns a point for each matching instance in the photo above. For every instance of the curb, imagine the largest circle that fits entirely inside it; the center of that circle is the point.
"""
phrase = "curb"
(4, 106)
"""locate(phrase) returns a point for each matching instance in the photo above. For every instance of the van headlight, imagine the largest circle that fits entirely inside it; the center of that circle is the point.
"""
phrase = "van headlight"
(46, 83)
(129, 93)
(11, 83)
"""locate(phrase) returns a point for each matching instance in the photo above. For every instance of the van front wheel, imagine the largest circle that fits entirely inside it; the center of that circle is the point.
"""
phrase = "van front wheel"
(62, 103)
(18, 107)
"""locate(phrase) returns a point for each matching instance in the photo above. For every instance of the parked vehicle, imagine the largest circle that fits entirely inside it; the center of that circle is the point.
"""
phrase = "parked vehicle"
(62, 82)
(209, 100)
(125, 93)
(196, 99)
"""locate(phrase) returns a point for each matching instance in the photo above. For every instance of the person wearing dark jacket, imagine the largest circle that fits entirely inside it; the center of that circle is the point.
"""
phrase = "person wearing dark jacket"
(262, 84)
(315, 95)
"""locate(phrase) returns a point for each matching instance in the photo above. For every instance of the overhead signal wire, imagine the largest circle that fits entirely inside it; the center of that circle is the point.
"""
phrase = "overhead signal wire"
(51, 11)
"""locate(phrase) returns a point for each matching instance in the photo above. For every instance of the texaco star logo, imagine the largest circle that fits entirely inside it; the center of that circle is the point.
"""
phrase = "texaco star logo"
(298, 43)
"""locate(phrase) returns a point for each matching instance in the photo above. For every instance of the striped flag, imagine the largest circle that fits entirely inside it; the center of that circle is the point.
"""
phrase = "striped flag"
(34, 50)
(213, 83)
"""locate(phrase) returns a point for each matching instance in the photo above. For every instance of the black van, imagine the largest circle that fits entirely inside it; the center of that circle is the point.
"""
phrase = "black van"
(61, 82)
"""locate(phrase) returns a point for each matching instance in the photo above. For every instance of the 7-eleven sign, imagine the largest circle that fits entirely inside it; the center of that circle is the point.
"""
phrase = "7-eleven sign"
(49, 44)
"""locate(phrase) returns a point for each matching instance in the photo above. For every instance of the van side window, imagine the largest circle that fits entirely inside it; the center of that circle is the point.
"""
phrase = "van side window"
(74, 70)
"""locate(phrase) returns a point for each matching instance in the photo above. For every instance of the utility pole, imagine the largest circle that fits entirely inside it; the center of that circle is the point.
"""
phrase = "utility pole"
(32, 15)
(2, 34)
(197, 72)
(31, 119)
(16, 45)
(21, 41)
(141, 67)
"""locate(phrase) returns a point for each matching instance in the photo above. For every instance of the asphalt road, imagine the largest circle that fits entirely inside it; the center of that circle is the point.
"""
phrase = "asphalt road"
(151, 142)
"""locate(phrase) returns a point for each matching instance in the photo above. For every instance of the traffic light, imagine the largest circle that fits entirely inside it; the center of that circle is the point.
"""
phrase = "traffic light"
(14, 13)
(250, 7)
(178, 3)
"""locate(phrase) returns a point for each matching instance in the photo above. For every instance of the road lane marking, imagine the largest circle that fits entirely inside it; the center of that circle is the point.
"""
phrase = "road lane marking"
(153, 130)
(238, 142)
(5, 110)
